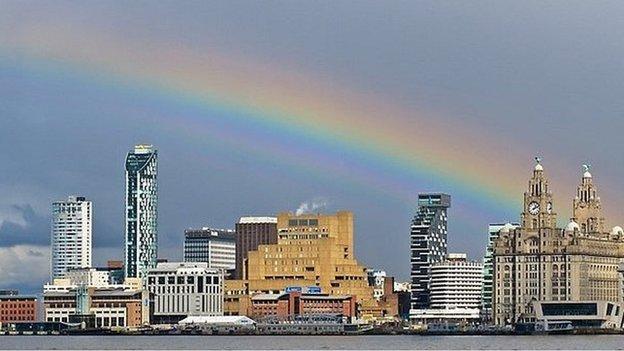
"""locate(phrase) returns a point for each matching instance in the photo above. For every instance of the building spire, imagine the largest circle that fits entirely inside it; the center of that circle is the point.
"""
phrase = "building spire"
(538, 163)
(586, 168)
(586, 206)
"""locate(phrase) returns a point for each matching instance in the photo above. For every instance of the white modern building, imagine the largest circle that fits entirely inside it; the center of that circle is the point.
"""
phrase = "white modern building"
(183, 289)
(89, 277)
(581, 314)
(217, 247)
(84, 278)
(455, 291)
(72, 227)
(141, 211)
(109, 307)
(376, 279)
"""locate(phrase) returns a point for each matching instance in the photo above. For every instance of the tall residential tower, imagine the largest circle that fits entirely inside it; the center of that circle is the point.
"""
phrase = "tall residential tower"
(428, 243)
(141, 211)
(71, 235)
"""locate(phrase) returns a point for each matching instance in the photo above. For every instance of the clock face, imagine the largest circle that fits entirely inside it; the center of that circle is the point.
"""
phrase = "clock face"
(549, 208)
(534, 208)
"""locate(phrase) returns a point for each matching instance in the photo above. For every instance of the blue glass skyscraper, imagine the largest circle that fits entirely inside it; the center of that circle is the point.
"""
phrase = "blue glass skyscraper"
(141, 211)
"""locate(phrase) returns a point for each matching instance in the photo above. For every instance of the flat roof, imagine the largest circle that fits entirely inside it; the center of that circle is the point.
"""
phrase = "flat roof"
(96, 292)
(2, 297)
(244, 220)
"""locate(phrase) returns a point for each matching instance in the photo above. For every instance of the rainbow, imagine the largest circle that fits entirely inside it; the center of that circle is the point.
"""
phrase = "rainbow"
(351, 137)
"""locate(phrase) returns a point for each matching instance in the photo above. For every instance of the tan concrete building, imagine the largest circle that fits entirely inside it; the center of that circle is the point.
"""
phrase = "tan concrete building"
(539, 262)
(311, 250)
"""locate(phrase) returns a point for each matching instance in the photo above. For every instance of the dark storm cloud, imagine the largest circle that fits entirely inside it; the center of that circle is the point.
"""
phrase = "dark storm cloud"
(34, 230)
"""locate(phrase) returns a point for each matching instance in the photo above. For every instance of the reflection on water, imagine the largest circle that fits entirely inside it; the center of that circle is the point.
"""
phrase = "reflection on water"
(580, 342)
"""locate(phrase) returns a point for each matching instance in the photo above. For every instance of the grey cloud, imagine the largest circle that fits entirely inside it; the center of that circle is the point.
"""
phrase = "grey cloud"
(33, 231)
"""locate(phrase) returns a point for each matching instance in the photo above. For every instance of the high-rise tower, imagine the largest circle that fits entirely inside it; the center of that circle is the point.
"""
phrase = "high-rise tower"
(141, 210)
(250, 233)
(71, 235)
(428, 243)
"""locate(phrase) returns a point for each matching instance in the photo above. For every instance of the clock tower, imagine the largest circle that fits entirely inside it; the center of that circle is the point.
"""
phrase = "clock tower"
(538, 202)
(586, 207)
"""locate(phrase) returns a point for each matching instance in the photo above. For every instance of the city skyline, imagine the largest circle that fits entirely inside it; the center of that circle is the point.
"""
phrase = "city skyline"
(264, 119)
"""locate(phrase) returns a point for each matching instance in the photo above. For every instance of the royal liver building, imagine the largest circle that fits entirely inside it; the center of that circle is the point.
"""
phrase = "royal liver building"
(141, 211)
(538, 262)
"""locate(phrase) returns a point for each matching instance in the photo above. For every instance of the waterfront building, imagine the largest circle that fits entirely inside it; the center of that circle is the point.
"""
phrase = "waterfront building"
(376, 279)
(285, 306)
(581, 314)
(217, 247)
(17, 308)
(236, 299)
(455, 291)
(141, 207)
(311, 250)
(488, 267)
(71, 240)
(539, 262)
(108, 307)
(184, 289)
(427, 243)
(250, 233)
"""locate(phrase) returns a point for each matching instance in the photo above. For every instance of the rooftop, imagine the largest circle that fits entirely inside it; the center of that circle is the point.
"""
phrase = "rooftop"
(207, 232)
(175, 266)
(245, 220)
(3, 297)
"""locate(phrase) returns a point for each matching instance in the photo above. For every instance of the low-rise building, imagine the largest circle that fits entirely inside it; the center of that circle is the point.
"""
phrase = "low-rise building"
(183, 289)
(581, 314)
(18, 308)
(110, 307)
(296, 303)
(236, 300)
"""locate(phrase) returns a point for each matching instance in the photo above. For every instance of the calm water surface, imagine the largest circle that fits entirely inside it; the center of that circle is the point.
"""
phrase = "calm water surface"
(581, 342)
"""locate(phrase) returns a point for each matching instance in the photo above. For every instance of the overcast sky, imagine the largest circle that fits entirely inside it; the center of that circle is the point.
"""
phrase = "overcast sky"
(522, 78)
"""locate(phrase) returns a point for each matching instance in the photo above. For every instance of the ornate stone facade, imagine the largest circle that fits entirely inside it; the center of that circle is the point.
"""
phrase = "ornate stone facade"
(540, 262)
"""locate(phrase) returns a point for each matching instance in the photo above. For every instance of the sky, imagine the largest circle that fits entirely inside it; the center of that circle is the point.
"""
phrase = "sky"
(262, 107)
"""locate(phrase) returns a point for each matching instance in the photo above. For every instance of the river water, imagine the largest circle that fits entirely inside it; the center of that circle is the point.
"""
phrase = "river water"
(399, 342)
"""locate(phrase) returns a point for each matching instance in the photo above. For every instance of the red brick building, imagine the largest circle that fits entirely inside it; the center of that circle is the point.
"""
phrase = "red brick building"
(18, 308)
(300, 304)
